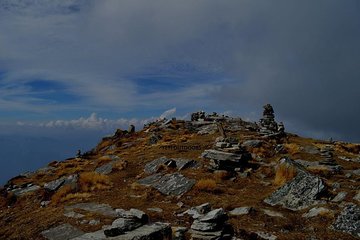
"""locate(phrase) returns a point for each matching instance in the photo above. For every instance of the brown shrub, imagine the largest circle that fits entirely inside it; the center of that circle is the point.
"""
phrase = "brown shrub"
(120, 165)
(221, 175)
(206, 185)
(284, 173)
(89, 181)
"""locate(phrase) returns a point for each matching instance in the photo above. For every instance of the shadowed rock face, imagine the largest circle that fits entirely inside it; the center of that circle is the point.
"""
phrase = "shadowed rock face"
(349, 220)
(300, 193)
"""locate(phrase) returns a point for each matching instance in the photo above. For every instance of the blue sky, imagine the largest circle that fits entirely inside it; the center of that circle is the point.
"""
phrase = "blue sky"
(129, 61)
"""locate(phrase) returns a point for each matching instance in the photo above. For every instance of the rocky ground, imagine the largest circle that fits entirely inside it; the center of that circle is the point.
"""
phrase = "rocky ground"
(214, 177)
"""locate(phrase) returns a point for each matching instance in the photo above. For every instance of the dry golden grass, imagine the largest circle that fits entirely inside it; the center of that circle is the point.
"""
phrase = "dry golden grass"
(284, 173)
(90, 181)
(68, 171)
(120, 165)
(60, 195)
(206, 185)
(292, 148)
(221, 175)
(72, 196)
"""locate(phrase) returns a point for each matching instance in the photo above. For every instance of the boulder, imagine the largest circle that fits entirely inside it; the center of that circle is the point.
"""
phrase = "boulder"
(339, 197)
(220, 160)
(28, 189)
(252, 143)
(299, 193)
(105, 169)
(240, 211)
(62, 232)
(54, 185)
(349, 220)
(120, 226)
(204, 226)
(179, 163)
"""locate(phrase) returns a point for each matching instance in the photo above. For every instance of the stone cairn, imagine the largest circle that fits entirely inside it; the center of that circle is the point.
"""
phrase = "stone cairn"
(328, 156)
(198, 116)
(209, 224)
(268, 125)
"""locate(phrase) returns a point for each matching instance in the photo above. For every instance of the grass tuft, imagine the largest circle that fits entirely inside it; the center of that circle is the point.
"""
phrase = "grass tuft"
(206, 185)
(90, 181)
(284, 173)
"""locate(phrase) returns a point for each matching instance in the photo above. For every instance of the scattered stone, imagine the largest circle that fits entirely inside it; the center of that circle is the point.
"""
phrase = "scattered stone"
(179, 163)
(265, 236)
(271, 213)
(122, 225)
(316, 211)
(299, 193)
(72, 214)
(339, 197)
(159, 210)
(62, 232)
(103, 209)
(94, 222)
(336, 185)
(44, 204)
(348, 220)
(169, 184)
(240, 211)
(315, 165)
(252, 143)
(207, 129)
(196, 212)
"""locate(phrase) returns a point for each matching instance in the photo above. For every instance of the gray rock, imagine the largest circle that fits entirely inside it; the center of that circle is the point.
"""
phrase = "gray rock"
(207, 129)
(215, 215)
(21, 191)
(159, 210)
(169, 184)
(105, 169)
(54, 185)
(103, 209)
(155, 231)
(44, 204)
(204, 226)
(349, 220)
(339, 197)
(94, 222)
(62, 232)
(316, 164)
(150, 180)
(91, 236)
(138, 214)
(120, 226)
(240, 211)
(265, 236)
(252, 143)
(179, 163)
(72, 214)
(198, 211)
(299, 193)
(273, 213)
(225, 160)
(316, 211)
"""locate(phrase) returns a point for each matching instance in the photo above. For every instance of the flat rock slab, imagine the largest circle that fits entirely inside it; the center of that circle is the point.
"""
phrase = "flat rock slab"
(317, 165)
(105, 169)
(62, 232)
(54, 185)
(240, 211)
(22, 191)
(91, 236)
(299, 193)
(103, 209)
(169, 184)
(155, 231)
(224, 160)
(349, 220)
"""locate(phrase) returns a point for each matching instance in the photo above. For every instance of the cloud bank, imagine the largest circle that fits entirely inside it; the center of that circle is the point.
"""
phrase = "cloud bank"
(120, 58)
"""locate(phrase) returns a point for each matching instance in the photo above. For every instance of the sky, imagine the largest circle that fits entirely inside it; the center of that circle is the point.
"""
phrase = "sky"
(84, 68)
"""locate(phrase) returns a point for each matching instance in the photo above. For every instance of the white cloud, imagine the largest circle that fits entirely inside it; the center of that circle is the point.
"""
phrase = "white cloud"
(167, 114)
